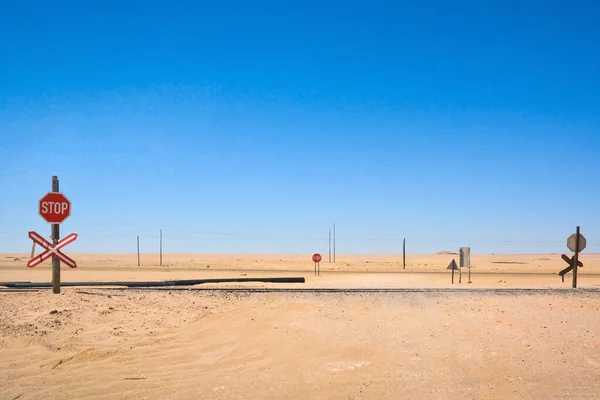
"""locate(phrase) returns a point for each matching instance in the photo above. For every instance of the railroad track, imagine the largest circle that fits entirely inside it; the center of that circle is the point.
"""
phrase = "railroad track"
(258, 290)
(372, 290)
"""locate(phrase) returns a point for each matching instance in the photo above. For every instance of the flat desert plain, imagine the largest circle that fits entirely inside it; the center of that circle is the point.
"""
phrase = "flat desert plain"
(515, 332)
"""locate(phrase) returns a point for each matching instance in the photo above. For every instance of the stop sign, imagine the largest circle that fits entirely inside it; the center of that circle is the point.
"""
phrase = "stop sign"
(317, 258)
(572, 242)
(55, 207)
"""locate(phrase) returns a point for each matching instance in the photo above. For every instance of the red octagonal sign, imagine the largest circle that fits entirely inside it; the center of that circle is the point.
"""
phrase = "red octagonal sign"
(55, 207)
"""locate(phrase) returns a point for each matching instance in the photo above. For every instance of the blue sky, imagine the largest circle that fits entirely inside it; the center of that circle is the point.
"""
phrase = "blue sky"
(249, 127)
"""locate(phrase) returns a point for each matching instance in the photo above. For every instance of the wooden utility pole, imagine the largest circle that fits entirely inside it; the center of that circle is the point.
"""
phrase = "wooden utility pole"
(161, 247)
(334, 242)
(404, 253)
(55, 236)
(329, 243)
(576, 257)
(138, 250)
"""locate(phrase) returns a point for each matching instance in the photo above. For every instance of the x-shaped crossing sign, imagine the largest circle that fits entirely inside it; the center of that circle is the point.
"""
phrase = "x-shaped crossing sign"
(51, 250)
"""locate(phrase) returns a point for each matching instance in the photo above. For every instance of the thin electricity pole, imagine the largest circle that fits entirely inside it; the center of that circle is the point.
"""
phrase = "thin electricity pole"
(404, 253)
(329, 244)
(334, 242)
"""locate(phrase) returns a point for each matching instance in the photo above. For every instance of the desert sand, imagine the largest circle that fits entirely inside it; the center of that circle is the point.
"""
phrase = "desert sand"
(471, 342)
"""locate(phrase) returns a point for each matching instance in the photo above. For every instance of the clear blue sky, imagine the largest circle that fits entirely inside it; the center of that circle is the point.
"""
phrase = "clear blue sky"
(250, 127)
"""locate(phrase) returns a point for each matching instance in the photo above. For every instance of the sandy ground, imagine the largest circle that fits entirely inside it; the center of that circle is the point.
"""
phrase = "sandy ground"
(173, 344)
(529, 263)
(487, 271)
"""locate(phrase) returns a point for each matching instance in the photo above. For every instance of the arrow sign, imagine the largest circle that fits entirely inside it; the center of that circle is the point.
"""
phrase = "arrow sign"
(453, 266)
(51, 250)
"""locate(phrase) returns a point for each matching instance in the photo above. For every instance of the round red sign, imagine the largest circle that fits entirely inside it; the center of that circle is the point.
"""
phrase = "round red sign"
(317, 257)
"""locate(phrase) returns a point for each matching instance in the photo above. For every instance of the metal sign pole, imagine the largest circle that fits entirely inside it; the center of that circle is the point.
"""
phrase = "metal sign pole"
(576, 258)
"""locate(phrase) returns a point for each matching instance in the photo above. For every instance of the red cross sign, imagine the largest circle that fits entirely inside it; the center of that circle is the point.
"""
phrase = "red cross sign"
(51, 250)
